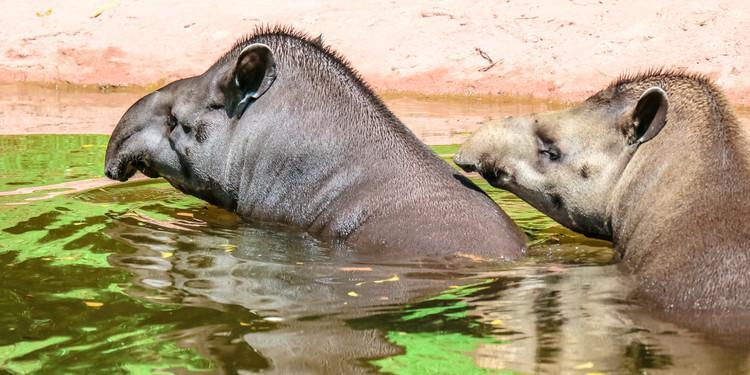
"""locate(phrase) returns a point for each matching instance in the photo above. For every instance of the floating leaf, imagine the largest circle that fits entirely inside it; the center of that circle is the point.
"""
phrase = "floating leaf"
(496, 322)
(584, 366)
(350, 269)
(390, 280)
(94, 304)
(229, 247)
(352, 294)
(186, 214)
(166, 254)
(273, 319)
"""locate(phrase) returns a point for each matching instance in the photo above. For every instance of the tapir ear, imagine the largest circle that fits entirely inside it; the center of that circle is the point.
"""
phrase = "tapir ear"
(253, 74)
(649, 115)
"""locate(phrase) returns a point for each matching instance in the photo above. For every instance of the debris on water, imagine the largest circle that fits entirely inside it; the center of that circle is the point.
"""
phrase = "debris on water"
(273, 319)
(94, 304)
(166, 254)
(391, 279)
(352, 269)
(185, 214)
(229, 247)
(496, 322)
(352, 294)
(245, 324)
(584, 366)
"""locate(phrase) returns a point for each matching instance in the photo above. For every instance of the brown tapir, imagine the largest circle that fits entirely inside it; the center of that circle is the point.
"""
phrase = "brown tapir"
(281, 129)
(657, 163)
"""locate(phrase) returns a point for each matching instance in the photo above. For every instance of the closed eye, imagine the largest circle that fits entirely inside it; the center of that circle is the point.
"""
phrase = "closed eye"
(215, 106)
(552, 153)
(548, 148)
(171, 121)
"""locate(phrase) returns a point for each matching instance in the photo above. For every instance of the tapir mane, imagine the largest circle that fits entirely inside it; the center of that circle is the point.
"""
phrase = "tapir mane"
(696, 93)
(300, 43)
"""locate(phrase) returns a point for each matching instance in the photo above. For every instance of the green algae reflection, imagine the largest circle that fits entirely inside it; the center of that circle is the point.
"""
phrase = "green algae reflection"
(66, 307)
(63, 305)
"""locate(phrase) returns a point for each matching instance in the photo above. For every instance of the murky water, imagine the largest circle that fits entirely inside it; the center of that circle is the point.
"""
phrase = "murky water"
(102, 277)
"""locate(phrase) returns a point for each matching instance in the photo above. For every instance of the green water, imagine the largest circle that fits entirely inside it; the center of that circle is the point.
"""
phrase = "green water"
(139, 278)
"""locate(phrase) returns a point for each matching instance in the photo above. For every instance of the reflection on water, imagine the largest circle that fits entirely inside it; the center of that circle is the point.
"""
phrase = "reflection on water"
(139, 277)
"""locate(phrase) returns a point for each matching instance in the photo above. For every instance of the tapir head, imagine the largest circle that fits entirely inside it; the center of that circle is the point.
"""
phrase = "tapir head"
(567, 163)
(180, 131)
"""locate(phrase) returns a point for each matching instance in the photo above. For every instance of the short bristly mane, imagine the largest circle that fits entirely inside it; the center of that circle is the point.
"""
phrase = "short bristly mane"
(288, 33)
(717, 102)
(697, 93)
(660, 72)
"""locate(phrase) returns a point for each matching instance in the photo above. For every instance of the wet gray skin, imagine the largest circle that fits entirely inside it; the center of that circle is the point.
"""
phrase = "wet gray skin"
(657, 164)
(280, 129)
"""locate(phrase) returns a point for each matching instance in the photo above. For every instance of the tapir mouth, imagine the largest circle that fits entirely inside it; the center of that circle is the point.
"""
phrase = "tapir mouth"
(497, 177)
(123, 169)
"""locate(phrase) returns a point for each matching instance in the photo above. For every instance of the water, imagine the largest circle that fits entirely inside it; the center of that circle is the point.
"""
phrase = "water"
(137, 277)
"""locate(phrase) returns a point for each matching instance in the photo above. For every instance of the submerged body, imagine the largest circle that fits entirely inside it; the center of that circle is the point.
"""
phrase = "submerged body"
(657, 163)
(280, 129)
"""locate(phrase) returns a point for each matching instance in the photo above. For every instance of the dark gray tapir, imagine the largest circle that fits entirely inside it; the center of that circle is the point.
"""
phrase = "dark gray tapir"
(281, 129)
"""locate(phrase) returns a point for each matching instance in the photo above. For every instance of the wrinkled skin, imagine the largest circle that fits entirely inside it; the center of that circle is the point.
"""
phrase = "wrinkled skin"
(159, 135)
(657, 164)
(281, 130)
(566, 163)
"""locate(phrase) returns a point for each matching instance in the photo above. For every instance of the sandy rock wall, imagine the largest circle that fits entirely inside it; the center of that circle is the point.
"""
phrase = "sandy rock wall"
(549, 49)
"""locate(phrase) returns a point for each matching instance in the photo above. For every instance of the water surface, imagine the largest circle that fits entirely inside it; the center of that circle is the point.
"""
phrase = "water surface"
(138, 277)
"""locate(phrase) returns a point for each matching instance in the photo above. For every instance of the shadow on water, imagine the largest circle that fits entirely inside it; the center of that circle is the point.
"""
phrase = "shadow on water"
(139, 277)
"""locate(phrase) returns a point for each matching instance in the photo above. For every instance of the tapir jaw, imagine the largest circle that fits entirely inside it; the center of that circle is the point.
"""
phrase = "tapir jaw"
(117, 164)
(119, 171)
(127, 155)
(122, 169)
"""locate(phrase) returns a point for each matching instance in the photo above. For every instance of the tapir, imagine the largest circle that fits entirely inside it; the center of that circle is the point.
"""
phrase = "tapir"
(281, 129)
(657, 163)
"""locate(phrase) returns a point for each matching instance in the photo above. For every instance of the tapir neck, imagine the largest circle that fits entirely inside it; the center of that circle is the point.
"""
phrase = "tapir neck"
(303, 148)
(680, 214)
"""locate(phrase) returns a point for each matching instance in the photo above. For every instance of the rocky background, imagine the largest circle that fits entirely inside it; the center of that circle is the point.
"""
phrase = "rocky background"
(561, 50)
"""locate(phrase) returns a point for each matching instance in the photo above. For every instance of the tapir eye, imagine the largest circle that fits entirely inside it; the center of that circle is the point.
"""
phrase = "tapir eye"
(548, 148)
(552, 152)
(186, 129)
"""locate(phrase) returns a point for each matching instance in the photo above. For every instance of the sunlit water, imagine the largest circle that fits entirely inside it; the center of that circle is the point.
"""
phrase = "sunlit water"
(102, 277)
